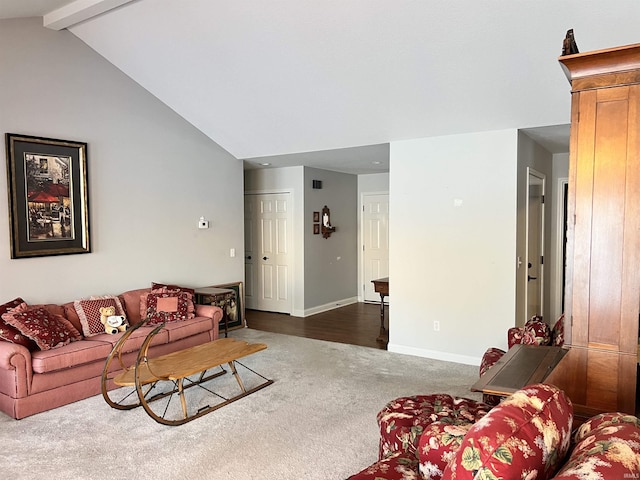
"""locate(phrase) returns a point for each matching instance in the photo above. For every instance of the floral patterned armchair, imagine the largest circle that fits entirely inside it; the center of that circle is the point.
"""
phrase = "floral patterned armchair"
(534, 332)
(527, 436)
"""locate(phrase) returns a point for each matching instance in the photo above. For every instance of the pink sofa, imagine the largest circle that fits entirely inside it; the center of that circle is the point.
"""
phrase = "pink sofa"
(527, 436)
(34, 380)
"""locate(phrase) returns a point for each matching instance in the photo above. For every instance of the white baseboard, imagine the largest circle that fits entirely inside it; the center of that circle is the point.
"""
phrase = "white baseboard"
(444, 356)
(327, 306)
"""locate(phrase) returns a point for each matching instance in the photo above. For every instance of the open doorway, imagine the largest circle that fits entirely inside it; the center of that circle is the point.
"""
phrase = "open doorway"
(535, 247)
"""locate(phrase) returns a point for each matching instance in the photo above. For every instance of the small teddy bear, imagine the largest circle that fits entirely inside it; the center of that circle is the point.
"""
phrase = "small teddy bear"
(112, 323)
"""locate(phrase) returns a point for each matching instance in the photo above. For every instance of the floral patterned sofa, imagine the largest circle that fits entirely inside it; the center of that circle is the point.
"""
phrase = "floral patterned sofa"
(527, 436)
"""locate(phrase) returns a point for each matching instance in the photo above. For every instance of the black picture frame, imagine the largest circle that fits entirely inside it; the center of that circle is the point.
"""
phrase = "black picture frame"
(48, 196)
(235, 310)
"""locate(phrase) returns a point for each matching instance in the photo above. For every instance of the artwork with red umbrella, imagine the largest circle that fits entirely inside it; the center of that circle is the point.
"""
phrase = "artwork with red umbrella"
(48, 196)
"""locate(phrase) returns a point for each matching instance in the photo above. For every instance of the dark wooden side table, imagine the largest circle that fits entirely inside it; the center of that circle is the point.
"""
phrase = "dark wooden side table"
(218, 297)
(381, 286)
(522, 365)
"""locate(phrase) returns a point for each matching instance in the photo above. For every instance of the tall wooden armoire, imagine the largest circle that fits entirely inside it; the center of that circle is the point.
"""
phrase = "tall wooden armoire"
(603, 232)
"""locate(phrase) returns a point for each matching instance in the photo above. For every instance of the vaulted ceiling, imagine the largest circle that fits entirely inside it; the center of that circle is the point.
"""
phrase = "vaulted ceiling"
(281, 77)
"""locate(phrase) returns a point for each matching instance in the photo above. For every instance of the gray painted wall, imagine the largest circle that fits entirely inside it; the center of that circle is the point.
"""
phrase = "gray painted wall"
(151, 174)
(331, 264)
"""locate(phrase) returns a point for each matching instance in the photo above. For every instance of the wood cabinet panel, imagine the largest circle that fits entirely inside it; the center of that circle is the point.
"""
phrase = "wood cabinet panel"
(603, 234)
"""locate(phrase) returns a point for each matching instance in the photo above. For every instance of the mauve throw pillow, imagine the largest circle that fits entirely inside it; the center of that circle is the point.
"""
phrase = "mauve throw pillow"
(164, 306)
(47, 330)
(11, 334)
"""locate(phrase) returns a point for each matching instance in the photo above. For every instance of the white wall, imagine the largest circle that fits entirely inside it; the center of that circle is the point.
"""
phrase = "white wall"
(454, 265)
(151, 174)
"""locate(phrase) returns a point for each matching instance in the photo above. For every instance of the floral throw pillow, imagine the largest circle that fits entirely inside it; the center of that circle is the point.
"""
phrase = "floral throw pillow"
(47, 330)
(9, 333)
(526, 436)
(164, 306)
(89, 313)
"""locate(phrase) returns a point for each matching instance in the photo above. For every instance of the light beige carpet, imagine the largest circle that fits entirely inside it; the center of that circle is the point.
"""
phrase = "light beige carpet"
(317, 421)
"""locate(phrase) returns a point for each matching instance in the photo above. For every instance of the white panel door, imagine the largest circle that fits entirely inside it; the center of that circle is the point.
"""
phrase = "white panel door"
(269, 235)
(375, 235)
(534, 290)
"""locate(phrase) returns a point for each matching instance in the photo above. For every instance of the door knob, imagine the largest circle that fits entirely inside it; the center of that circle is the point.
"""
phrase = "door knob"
(249, 257)
(265, 258)
(529, 278)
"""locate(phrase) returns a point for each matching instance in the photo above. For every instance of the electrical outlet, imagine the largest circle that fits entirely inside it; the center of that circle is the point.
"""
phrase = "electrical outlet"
(232, 252)
(436, 326)
(202, 223)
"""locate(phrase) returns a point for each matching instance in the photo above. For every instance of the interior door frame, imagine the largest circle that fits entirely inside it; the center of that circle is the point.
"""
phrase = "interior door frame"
(361, 234)
(541, 274)
(561, 244)
(291, 219)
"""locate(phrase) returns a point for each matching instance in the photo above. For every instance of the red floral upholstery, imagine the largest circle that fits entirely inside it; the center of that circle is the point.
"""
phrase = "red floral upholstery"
(403, 420)
(534, 332)
(399, 466)
(438, 445)
(607, 446)
(526, 436)
(557, 332)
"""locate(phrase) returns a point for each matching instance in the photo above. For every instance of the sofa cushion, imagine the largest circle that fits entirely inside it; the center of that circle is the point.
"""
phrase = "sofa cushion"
(607, 446)
(45, 329)
(131, 301)
(135, 340)
(11, 334)
(164, 306)
(438, 444)
(528, 433)
(180, 330)
(403, 420)
(399, 466)
(71, 355)
(557, 332)
(89, 313)
(534, 332)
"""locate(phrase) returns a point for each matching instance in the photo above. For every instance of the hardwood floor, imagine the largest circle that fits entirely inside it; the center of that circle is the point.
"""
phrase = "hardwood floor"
(356, 324)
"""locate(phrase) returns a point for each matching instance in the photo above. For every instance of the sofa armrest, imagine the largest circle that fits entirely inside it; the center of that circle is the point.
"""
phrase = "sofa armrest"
(15, 370)
(210, 311)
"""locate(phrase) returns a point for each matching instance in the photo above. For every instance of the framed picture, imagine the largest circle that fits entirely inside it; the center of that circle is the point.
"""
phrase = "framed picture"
(235, 308)
(316, 216)
(316, 228)
(48, 199)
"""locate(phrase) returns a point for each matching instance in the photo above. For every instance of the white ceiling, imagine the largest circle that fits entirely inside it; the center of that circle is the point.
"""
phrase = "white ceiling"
(282, 77)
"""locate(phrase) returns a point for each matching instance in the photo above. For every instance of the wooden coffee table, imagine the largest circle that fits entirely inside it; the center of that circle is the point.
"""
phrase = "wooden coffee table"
(522, 365)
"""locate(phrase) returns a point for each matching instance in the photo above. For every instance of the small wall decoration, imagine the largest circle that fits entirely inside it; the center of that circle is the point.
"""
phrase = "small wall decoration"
(316, 217)
(48, 202)
(316, 228)
(327, 229)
